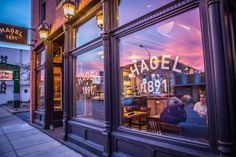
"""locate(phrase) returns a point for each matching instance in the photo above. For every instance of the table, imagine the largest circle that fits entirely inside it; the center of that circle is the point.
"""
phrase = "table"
(135, 114)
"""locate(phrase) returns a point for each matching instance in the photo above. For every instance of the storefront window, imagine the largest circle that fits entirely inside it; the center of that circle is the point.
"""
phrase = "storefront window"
(163, 79)
(57, 88)
(87, 32)
(89, 85)
(41, 58)
(57, 53)
(128, 11)
(40, 89)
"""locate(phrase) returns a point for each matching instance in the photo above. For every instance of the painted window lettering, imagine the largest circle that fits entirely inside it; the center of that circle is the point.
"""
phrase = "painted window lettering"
(165, 63)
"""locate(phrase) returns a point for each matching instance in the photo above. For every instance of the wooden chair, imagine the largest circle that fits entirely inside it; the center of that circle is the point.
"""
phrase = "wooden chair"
(153, 124)
(169, 128)
(141, 120)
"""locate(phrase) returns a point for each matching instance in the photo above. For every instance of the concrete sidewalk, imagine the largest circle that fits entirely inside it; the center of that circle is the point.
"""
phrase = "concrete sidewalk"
(19, 139)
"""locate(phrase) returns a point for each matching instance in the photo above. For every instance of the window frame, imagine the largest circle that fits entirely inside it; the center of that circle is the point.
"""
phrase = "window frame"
(96, 43)
(90, 45)
(170, 10)
(42, 11)
(77, 28)
(37, 70)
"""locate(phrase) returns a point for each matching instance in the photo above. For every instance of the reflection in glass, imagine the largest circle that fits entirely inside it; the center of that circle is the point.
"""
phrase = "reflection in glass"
(57, 53)
(162, 75)
(41, 58)
(89, 85)
(128, 11)
(40, 89)
(57, 88)
(87, 32)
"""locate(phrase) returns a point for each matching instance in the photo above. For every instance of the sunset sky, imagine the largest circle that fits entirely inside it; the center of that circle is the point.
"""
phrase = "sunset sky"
(177, 36)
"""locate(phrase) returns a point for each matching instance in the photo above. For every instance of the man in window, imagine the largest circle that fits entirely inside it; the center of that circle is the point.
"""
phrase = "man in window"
(201, 106)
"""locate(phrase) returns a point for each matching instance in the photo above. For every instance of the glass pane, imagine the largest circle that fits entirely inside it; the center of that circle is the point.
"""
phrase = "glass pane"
(128, 11)
(57, 88)
(40, 89)
(89, 85)
(57, 53)
(41, 58)
(163, 79)
(87, 32)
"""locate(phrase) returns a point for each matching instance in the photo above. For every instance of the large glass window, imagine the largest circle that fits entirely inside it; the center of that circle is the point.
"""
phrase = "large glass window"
(40, 89)
(128, 11)
(42, 10)
(89, 85)
(163, 79)
(57, 88)
(87, 32)
(40, 58)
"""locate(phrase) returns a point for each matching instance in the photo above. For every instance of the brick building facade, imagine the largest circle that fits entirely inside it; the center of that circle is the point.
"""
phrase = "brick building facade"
(112, 88)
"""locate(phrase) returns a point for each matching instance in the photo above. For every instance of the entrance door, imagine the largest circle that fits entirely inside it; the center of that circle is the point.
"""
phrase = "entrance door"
(57, 96)
(57, 50)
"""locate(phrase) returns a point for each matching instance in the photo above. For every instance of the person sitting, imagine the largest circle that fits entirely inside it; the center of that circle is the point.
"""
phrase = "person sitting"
(192, 116)
(194, 126)
(173, 113)
(201, 106)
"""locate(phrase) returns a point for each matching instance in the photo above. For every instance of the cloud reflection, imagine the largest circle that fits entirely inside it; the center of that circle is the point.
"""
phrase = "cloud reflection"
(178, 36)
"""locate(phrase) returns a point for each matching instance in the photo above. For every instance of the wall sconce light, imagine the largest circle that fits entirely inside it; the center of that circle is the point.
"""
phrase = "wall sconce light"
(44, 30)
(99, 19)
(69, 8)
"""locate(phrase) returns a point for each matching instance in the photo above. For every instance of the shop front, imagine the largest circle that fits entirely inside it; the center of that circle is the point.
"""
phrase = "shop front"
(156, 78)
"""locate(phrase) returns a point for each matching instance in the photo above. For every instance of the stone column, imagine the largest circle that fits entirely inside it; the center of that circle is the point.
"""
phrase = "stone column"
(107, 69)
(67, 47)
(49, 115)
(224, 127)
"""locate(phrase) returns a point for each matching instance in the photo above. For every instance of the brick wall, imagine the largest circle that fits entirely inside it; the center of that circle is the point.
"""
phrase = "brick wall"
(54, 16)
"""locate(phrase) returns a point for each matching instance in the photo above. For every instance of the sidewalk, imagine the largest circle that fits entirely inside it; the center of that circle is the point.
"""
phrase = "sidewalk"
(18, 139)
(9, 107)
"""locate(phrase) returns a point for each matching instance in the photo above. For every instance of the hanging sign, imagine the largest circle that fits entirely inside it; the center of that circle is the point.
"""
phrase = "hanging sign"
(13, 34)
(6, 75)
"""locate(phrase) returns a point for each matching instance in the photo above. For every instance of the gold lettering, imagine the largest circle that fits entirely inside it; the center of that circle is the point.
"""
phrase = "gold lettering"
(17, 31)
(20, 34)
(12, 30)
(7, 30)
(2, 30)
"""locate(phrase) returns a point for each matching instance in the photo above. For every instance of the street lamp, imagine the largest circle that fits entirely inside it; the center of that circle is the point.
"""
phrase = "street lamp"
(44, 30)
(99, 20)
(69, 8)
(149, 53)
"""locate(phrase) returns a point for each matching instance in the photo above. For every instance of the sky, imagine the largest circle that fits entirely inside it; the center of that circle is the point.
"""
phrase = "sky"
(18, 13)
(177, 36)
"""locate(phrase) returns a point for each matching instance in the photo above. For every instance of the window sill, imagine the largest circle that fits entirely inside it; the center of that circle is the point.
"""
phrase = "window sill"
(166, 139)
